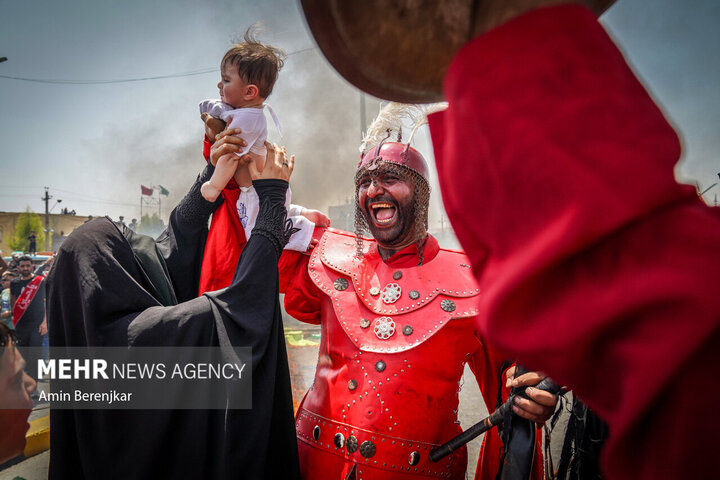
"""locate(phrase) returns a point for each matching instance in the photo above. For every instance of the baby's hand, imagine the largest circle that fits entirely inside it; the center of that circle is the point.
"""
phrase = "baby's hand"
(213, 125)
(316, 216)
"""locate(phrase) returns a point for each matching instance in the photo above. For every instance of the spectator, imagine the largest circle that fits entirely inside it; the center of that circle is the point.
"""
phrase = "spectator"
(4, 267)
(28, 292)
(5, 310)
(44, 267)
(14, 258)
(32, 247)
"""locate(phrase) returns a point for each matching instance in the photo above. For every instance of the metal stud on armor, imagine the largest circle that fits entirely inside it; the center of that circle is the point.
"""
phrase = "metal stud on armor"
(341, 284)
(447, 305)
(391, 293)
(367, 449)
(352, 444)
(384, 328)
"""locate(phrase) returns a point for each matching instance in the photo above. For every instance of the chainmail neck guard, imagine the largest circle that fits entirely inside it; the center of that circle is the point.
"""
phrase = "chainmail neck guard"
(421, 194)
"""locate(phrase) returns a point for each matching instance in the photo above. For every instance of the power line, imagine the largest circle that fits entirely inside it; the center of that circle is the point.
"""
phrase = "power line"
(127, 80)
(80, 196)
(100, 82)
(69, 195)
(104, 202)
(21, 186)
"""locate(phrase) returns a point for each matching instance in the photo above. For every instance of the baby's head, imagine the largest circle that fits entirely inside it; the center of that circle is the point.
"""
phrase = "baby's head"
(248, 72)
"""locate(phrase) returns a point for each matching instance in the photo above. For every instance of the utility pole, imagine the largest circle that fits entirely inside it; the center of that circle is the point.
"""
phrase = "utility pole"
(363, 117)
(47, 198)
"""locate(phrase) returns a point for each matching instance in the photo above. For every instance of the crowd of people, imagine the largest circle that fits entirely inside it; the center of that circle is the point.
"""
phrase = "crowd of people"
(22, 323)
(22, 301)
(589, 292)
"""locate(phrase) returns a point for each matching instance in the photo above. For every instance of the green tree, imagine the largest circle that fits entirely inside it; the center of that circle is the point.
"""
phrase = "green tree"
(26, 222)
(151, 225)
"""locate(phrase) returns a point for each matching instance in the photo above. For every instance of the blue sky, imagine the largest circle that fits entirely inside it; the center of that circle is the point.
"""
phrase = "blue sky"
(94, 144)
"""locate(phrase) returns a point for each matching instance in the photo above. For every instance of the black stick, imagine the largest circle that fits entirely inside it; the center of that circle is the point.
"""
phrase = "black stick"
(483, 426)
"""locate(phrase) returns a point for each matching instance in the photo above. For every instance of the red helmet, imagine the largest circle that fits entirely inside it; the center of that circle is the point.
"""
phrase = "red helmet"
(398, 153)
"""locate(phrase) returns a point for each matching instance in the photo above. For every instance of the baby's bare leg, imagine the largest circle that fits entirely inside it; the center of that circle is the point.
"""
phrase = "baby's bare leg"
(224, 171)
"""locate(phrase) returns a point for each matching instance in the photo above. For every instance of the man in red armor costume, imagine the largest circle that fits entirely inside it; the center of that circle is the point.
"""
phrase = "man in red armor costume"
(397, 316)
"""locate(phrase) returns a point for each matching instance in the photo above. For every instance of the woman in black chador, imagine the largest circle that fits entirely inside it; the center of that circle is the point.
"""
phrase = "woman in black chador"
(113, 287)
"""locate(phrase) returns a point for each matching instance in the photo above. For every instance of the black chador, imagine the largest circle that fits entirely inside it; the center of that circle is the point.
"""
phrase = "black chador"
(112, 287)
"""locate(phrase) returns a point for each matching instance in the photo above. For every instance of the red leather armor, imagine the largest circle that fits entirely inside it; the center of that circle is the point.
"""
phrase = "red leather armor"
(393, 348)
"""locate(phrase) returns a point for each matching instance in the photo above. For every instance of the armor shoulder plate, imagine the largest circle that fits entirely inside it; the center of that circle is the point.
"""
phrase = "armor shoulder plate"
(386, 309)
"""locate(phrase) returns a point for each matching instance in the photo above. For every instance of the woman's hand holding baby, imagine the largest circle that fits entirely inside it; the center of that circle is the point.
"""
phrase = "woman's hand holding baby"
(213, 126)
(226, 143)
(277, 164)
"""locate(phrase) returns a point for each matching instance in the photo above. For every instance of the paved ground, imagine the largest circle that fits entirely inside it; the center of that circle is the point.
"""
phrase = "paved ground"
(34, 468)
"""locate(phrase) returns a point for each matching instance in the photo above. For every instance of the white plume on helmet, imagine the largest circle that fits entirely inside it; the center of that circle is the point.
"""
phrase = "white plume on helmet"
(393, 117)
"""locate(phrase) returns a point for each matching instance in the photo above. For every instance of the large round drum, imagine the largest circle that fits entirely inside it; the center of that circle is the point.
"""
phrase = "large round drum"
(400, 49)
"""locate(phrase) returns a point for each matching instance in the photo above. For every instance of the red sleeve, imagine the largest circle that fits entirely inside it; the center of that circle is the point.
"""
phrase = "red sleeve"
(207, 144)
(603, 271)
(302, 297)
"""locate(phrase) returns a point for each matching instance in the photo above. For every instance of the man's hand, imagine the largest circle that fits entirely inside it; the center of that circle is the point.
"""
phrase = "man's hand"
(213, 126)
(541, 404)
(316, 216)
(227, 143)
(314, 242)
(277, 164)
(43, 327)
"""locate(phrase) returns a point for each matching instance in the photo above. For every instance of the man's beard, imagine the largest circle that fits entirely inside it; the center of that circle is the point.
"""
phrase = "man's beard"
(401, 233)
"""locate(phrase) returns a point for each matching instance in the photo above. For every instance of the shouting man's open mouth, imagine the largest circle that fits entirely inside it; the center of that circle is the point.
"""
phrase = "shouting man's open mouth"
(382, 213)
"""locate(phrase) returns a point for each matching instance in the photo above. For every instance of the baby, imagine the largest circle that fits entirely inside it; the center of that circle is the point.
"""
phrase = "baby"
(248, 73)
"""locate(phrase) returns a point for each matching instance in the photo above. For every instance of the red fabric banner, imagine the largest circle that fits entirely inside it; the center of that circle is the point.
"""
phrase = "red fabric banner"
(26, 296)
